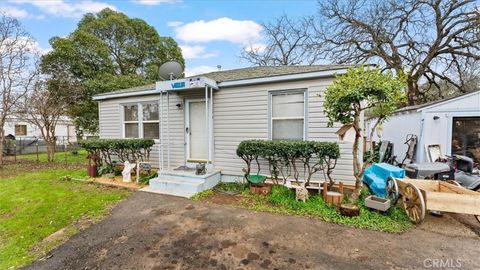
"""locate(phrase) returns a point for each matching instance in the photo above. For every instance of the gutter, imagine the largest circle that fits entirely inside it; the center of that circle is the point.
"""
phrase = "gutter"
(126, 94)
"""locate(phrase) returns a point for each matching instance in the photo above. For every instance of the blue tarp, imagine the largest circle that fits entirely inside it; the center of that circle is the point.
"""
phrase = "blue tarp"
(376, 177)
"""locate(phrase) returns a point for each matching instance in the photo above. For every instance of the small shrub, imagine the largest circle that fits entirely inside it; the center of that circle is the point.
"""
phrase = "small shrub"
(104, 151)
(283, 156)
(146, 176)
(106, 168)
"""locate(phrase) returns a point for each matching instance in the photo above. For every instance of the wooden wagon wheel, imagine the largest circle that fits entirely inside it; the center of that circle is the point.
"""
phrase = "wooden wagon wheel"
(413, 203)
(392, 190)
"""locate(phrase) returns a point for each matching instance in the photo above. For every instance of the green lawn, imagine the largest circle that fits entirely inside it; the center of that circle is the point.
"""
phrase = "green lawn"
(80, 157)
(33, 205)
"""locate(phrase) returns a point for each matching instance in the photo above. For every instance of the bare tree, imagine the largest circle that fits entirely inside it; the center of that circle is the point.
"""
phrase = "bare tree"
(43, 109)
(16, 72)
(468, 77)
(425, 40)
(288, 42)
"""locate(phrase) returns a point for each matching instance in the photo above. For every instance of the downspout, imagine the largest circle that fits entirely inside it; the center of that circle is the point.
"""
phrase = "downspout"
(421, 146)
(168, 130)
(207, 124)
(161, 131)
(211, 127)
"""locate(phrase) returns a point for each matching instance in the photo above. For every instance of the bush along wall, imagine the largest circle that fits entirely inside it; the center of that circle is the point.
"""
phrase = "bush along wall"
(106, 151)
(290, 159)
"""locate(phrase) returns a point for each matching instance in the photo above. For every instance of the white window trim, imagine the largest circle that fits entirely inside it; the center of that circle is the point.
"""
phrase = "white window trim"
(140, 120)
(305, 110)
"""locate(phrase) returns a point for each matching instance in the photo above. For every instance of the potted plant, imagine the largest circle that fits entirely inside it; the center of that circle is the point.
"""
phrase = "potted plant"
(257, 184)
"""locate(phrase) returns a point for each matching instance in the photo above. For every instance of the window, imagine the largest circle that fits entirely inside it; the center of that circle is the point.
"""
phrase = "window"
(20, 130)
(150, 121)
(466, 137)
(130, 114)
(287, 115)
(141, 120)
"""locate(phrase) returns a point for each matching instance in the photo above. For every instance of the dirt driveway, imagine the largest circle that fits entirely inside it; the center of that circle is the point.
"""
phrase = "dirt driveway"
(149, 231)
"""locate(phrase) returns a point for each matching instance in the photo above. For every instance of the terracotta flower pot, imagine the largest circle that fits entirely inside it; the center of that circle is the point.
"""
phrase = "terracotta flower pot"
(263, 189)
(92, 170)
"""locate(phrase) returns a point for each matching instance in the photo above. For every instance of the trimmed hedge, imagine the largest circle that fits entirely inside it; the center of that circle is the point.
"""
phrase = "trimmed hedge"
(284, 158)
(104, 151)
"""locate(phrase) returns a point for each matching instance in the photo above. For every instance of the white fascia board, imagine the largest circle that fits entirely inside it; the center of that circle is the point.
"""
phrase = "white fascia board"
(126, 94)
(448, 101)
(281, 78)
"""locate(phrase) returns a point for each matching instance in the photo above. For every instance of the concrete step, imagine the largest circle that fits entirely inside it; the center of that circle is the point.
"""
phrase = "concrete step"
(189, 177)
(182, 184)
(180, 189)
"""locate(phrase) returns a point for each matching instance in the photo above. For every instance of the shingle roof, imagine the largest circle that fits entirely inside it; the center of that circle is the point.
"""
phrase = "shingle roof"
(245, 73)
(260, 72)
(133, 89)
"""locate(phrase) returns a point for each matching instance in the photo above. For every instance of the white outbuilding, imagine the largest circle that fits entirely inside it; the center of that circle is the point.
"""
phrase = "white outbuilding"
(452, 123)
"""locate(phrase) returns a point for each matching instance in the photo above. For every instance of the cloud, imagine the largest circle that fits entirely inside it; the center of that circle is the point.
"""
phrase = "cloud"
(154, 2)
(174, 24)
(23, 43)
(196, 51)
(61, 8)
(19, 13)
(221, 29)
(38, 49)
(15, 12)
(199, 70)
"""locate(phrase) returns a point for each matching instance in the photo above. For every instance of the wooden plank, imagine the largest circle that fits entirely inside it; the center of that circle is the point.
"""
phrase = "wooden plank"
(428, 185)
(450, 188)
(452, 202)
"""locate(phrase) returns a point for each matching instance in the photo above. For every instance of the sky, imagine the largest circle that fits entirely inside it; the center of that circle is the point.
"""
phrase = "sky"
(210, 33)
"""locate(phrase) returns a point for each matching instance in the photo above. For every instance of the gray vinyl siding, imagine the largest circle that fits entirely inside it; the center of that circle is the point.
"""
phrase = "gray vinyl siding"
(111, 124)
(239, 113)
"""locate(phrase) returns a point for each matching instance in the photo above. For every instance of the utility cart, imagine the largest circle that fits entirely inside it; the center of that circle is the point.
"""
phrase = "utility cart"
(418, 196)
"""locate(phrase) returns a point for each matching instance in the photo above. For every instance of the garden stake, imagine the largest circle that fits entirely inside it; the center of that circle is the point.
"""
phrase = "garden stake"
(36, 145)
(65, 151)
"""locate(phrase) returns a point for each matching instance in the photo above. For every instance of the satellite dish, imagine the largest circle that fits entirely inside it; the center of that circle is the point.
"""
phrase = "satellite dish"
(170, 70)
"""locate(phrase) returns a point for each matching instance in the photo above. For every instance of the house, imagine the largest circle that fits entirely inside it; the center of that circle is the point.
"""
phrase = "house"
(453, 123)
(21, 128)
(204, 118)
(27, 135)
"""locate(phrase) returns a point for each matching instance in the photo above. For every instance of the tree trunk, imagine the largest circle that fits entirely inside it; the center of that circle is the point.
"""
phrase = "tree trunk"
(412, 91)
(357, 167)
(50, 150)
(2, 145)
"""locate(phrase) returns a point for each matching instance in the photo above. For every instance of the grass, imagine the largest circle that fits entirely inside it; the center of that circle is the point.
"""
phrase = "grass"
(202, 195)
(33, 205)
(282, 201)
(232, 187)
(79, 158)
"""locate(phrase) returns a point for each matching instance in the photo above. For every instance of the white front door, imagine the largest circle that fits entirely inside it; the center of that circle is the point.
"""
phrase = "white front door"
(196, 131)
